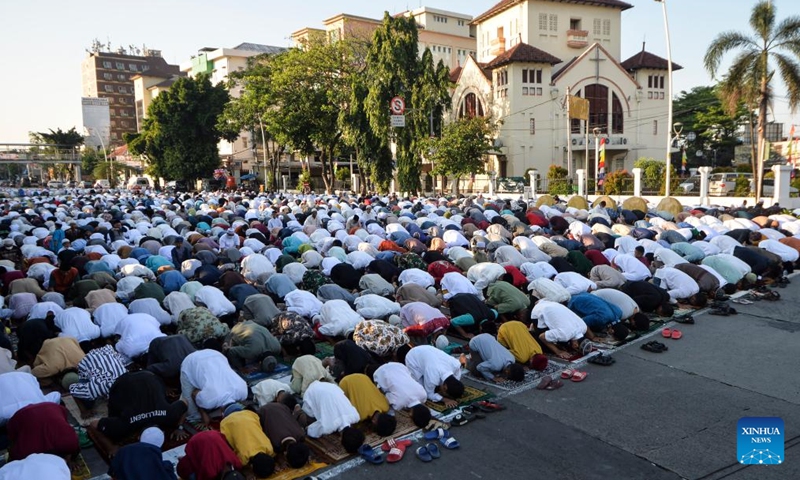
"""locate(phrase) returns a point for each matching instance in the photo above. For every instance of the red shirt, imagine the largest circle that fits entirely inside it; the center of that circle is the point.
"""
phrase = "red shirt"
(207, 454)
(597, 257)
(41, 428)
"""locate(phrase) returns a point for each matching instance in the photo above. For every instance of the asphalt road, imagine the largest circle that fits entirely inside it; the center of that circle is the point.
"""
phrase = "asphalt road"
(649, 416)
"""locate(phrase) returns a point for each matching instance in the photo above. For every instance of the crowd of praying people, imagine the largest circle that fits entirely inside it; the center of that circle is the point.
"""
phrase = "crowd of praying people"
(159, 305)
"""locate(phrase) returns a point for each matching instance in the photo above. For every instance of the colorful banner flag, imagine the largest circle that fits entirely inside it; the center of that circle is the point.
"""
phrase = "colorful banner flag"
(684, 162)
(601, 166)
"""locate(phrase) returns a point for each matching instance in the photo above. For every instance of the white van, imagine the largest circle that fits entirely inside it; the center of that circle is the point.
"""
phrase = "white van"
(138, 183)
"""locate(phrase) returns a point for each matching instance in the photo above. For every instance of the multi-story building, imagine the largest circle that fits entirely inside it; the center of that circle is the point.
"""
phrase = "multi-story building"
(449, 35)
(146, 87)
(531, 53)
(109, 75)
(219, 63)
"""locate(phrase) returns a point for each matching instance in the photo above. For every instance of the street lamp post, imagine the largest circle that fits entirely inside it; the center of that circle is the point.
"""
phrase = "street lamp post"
(677, 128)
(103, 146)
(596, 132)
(669, 90)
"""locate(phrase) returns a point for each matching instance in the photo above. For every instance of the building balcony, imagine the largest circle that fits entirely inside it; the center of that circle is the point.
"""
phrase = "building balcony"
(498, 46)
(577, 38)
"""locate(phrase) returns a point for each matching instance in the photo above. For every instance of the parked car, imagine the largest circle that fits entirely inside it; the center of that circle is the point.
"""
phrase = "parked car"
(691, 184)
(768, 188)
(511, 184)
(138, 183)
(85, 184)
(102, 184)
(54, 184)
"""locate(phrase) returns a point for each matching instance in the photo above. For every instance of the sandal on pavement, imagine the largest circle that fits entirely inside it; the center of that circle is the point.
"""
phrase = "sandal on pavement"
(449, 443)
(666, 333)
(433, 450)
(676, 334)
(459, 420)
(397, 450)
(492, 406)
(578, 376)
(391, 443)
(555, 385)
(423, 454)
(436, 434)
(654, 347)
(369, 455)
(566, 374)
(687, 320)
(603, 360)
(544, 382)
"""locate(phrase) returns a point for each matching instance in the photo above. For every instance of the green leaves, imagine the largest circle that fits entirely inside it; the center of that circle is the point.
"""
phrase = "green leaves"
(180, 134)
(462, 146)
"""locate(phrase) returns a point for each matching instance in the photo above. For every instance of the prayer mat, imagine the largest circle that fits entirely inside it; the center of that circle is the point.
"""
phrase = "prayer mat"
(324, 350)
(253, 374)
(100, 410)
(531, 377)
(471, 395)
(329, 447)
(80, 470)
(169, 443)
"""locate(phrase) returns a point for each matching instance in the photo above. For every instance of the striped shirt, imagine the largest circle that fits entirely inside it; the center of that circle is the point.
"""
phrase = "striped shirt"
(98, 370)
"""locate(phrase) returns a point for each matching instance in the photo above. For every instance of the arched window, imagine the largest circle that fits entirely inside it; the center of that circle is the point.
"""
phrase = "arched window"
(598, 106)
(470, 107)
(617, 115)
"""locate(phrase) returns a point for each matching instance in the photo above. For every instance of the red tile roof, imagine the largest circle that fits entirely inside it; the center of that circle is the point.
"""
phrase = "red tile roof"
(522, 53)
(506, 4)
(646, 59)
(455, 74)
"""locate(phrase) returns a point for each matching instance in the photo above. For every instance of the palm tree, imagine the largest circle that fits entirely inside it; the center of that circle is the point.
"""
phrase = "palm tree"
(750, 75)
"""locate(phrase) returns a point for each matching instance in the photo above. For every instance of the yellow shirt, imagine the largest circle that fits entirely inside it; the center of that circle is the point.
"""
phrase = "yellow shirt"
(243, 432)
(364, 395)
(515, 336)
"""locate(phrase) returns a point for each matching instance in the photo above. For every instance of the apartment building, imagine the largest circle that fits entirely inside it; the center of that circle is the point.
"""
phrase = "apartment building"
(110, 75)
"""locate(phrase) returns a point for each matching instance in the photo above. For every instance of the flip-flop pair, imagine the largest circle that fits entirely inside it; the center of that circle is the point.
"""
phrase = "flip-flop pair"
(574, 375)
(548, 383)
(396, 449)
(671, 333)
(428, 452)
(655, 347)
(603, 360)
(489, 407)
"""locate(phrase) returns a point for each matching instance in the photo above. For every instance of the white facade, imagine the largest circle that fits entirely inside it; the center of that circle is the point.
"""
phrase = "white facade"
(96, 122)
(531, 53)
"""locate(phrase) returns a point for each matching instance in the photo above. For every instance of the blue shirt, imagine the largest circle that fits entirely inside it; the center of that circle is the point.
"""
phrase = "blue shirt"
(495, 356)
(595, 312)
(141, 460)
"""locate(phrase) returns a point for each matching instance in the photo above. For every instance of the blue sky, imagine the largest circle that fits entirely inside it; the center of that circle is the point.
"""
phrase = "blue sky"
(44, 41)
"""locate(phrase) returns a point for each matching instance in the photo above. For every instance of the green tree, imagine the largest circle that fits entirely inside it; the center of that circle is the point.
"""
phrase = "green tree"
(180, 133)
(751, 71)
(394, 68)
(66, 140)
(654, 175)
(702, 111)
(256, 110)
(461, 148)
(557, 181)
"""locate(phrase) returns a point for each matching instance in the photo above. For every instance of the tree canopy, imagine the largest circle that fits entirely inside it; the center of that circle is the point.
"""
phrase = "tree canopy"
(773, 47)
(180, 133)
(702, 111)
(461, 148)
(69, 139)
